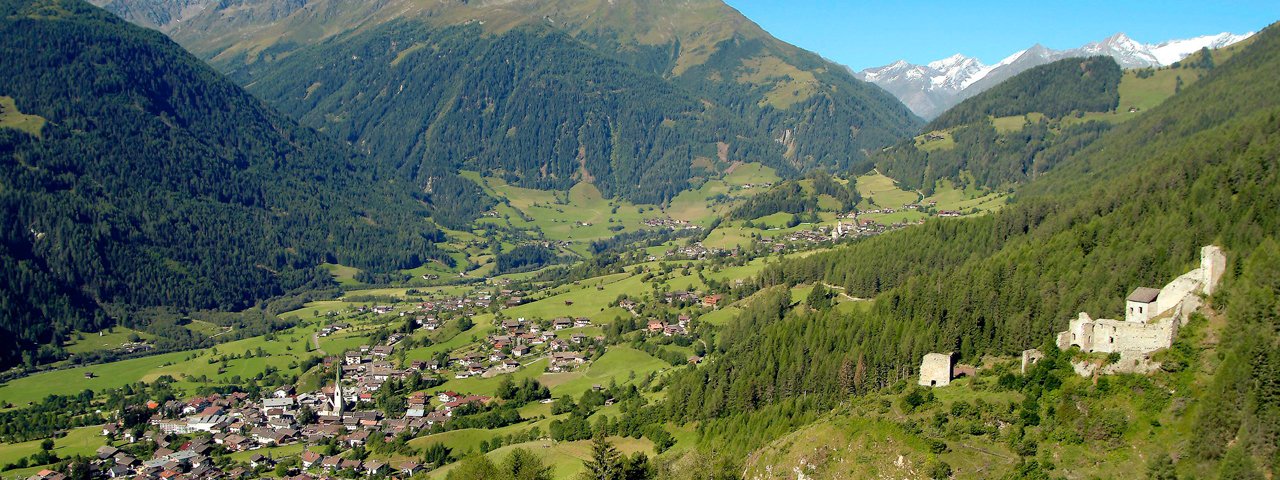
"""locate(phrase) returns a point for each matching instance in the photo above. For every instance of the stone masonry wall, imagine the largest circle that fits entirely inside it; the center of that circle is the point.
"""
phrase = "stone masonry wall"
(935, 370)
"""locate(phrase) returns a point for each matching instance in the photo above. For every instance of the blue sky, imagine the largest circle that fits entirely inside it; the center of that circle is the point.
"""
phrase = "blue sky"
(864, 34)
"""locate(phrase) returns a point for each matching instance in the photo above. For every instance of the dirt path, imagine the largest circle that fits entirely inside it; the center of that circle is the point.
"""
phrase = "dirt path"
(315, 342)
(841, 292)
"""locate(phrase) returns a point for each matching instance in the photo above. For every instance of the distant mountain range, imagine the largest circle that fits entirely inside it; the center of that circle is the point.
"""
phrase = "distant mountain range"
(928, 90)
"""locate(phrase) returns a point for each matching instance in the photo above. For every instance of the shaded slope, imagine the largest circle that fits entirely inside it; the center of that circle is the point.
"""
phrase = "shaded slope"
(703, 50)
(532, 105)
(157, 182)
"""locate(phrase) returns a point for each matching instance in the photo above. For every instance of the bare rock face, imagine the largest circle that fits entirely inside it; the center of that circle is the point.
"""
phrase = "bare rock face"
(155, 14)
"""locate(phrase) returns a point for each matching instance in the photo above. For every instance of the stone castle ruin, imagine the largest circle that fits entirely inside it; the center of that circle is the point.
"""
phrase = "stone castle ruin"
(1152, 319)
(936, 369)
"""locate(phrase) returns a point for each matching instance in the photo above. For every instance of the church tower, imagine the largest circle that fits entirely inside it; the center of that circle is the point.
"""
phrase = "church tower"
(338, 402)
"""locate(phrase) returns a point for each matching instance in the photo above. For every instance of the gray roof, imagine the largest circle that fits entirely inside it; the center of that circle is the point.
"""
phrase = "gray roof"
(277, 402)
(1144, 295)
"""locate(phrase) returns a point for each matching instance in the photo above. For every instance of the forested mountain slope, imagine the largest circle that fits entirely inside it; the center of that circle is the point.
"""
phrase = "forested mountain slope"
(1132, 209)
(1032, 136)
(686, 66)
(155, 181)
(1072, 85)
(532, 104)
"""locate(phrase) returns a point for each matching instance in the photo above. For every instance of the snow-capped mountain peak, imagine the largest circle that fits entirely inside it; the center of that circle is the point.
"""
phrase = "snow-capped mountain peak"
(932, 88)
(1127, 52)
(952, 61)
(954, 72)
(1175, 50)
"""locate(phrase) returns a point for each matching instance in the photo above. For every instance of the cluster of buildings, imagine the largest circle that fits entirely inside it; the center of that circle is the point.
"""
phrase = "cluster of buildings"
(668, 222)
(565, 361)
(694, 251)
(170, 461)
(819, 234)
(658, 327)
(480, 299)
(234, 423)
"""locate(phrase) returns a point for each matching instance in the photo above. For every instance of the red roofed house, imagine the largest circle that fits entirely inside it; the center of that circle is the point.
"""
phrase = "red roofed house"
(310, 458)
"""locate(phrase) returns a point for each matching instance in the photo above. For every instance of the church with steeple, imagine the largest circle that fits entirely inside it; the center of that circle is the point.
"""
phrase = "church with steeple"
(337, 403)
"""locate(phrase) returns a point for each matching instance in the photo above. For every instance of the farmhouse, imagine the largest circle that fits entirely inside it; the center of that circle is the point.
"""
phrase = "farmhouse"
(565, 361)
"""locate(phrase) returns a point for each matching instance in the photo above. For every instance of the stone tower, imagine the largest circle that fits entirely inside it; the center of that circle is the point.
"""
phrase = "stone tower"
(1213, 263)
(935, 370)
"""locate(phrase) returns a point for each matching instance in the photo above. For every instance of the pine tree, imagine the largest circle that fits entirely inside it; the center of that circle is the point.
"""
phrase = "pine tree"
(436, 455)
(1237, 465)
(819, 298)
(522, 464)
(475, 467)
(606, 462)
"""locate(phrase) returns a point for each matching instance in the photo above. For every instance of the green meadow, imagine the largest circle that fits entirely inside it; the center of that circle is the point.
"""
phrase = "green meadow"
(619, 364)
(879, 191)
(78, 441)
(344, 275)
(286, 350)
(105, 340)
(10, 117)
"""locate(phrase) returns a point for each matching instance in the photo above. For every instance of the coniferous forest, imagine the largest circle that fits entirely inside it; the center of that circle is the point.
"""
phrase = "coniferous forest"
(501, 104)
(991, 158)
(1133, 209)
(157, 182)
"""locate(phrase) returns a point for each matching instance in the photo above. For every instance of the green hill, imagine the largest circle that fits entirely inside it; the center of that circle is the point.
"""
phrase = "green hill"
(1055, 90)
(1131, 209)
(1013, 132)
(1027, 125)
(154, 181)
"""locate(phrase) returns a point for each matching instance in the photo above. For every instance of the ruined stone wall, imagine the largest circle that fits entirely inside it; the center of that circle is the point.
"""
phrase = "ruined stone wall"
(1117, 336)
(1189, 284)
(1213, 263)
(1030, 357)
(1107, 336)
(1079, 333)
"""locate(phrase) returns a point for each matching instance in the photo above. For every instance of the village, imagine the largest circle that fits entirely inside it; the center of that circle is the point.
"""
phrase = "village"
(361, 404)
(193, 438)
